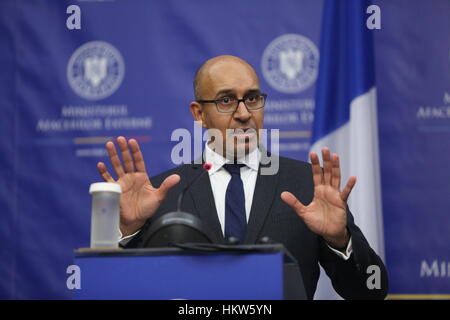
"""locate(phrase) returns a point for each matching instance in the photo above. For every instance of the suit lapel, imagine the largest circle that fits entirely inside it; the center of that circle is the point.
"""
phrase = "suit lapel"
(263, 197)
(201, 193)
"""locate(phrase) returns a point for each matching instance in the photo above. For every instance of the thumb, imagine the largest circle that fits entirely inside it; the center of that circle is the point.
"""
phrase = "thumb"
(168, 183)
(293, 202)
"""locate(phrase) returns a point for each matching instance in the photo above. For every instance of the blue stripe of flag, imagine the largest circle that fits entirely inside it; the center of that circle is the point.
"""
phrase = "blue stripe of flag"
(346, 67)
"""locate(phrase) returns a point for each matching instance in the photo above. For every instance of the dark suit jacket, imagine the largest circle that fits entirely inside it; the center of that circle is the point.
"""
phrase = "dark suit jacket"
(271, 217)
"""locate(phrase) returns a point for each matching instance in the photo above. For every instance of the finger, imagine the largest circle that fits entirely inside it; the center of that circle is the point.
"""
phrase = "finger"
(137, 155)
(115, 161)
(167, 184)
(316, 169)
(326, 158)
(126, 155)
(335, 172)
(348, 188)
(293, 202)
(104, 172)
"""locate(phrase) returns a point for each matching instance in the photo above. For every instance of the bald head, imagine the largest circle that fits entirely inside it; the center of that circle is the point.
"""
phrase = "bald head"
(208, 69)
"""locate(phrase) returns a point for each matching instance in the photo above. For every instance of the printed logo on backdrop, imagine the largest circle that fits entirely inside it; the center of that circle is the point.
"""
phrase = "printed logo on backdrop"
(95, 70)
(290, 63)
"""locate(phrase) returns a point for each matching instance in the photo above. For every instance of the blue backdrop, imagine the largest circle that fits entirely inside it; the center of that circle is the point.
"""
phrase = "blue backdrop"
(139, 58)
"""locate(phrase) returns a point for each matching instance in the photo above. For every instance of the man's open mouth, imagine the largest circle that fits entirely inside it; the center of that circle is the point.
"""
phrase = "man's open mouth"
(244, 131)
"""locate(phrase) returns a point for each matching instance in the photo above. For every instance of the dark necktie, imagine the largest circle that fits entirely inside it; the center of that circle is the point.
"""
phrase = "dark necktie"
(235, 217)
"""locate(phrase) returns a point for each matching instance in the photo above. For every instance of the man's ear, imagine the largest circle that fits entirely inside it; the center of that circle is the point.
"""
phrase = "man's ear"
(197, 112)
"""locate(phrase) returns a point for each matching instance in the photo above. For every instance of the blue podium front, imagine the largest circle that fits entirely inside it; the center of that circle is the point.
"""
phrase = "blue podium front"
(176, 274)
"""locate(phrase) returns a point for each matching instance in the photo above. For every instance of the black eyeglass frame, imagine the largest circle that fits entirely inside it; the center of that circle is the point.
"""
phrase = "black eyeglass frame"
(215, 101)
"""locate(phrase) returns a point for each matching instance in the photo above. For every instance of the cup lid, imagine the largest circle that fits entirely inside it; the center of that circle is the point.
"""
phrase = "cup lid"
(105, 187)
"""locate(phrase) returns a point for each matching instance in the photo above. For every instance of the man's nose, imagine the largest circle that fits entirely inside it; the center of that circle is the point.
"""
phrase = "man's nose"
(242, 113)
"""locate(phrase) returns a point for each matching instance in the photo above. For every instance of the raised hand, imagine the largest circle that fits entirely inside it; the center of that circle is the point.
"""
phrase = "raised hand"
(139, 199)
(326, 214)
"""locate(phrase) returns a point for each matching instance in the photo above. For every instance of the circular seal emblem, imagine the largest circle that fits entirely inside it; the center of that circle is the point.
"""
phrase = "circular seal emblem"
(290, 62)
(95, 70)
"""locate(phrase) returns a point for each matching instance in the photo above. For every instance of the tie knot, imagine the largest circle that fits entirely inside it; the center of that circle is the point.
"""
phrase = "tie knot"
(233, 168)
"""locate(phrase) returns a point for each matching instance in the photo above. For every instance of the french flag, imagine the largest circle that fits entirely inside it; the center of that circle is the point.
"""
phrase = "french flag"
(345, 118)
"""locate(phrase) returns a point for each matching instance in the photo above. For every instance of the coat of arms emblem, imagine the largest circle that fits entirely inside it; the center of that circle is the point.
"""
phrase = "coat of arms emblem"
(95, 70)
(290, 63)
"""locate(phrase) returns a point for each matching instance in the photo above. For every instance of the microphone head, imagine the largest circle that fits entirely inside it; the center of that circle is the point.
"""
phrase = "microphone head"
(176, 227)
(207, 166)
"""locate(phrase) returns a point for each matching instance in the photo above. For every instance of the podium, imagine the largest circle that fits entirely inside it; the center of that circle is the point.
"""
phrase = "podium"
(194, 272)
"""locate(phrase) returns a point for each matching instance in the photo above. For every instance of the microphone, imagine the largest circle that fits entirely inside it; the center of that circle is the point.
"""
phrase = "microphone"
(206, 168)
(177, 227)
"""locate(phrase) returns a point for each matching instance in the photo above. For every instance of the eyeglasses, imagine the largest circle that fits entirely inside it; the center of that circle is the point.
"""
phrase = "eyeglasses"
(230, 104)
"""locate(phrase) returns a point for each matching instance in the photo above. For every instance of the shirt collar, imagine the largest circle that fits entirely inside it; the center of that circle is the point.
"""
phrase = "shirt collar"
(217, 161)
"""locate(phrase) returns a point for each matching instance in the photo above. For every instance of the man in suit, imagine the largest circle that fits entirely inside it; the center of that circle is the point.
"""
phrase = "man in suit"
(300, 206)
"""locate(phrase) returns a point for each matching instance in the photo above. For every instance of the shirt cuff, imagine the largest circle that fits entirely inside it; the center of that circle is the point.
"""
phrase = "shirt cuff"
(348, 251)
(124, 240)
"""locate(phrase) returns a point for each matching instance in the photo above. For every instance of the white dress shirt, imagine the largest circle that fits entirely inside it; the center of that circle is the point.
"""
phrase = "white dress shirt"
(220, 178)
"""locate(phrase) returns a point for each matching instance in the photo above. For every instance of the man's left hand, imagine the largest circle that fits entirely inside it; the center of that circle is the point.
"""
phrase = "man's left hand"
(326, 214)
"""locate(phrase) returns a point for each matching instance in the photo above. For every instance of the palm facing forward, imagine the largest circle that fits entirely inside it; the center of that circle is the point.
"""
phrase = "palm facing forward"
(139, 199)
(326, 214)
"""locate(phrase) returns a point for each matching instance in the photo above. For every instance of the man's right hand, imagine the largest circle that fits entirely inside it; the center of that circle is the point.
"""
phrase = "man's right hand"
(139, 199)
